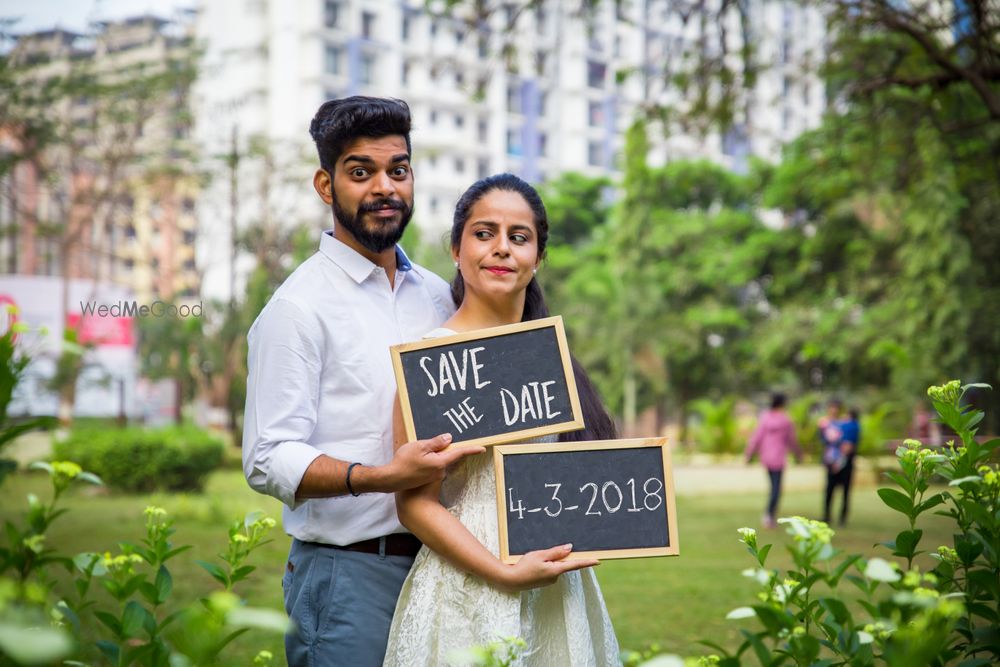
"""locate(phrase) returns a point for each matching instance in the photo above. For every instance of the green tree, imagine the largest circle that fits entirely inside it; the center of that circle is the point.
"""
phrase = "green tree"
(576, 205)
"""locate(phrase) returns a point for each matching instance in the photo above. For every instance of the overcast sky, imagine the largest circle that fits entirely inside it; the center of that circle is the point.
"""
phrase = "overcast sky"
(76, 14)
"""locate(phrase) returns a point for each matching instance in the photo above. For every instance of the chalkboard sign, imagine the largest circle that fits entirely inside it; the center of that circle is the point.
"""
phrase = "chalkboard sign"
(489, 386)
(609, 498)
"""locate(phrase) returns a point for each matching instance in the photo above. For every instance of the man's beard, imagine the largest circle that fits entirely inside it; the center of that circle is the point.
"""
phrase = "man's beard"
(383, 235)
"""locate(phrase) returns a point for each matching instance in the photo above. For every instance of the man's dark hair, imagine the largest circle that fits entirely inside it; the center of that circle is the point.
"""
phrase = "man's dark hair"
(777, 400)
(341, 121)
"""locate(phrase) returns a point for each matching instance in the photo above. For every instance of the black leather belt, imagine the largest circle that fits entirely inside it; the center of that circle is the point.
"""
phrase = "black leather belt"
(397, 544)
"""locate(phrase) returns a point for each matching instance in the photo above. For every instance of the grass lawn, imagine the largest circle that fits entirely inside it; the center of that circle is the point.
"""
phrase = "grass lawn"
(672, 602)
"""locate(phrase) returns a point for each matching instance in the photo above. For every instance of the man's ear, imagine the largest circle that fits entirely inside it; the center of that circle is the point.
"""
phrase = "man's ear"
(324, 186)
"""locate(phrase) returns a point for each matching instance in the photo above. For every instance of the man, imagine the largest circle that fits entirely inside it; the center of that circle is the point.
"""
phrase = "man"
(318, 427)
(840, 443)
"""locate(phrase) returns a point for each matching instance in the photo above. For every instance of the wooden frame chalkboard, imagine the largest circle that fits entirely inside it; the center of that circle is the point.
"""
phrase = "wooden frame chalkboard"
(640, 522)
(491, 375)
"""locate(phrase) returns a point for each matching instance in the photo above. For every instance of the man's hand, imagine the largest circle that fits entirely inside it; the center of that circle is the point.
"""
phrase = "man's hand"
(424, 461)
(541, 568)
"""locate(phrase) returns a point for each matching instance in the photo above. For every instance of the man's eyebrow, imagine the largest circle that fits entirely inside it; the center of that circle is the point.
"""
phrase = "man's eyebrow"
(363, 159)
(367, 160)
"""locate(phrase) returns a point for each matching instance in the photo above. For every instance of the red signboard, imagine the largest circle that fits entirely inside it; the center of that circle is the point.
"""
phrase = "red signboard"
(110, 331)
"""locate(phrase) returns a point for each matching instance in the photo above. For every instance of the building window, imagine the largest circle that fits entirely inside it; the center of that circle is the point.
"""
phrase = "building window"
(405, 30)
(595, 113)
(541, 62)
(596, 73)
(434, 204)
(434, 117)
(459, 79)
(514, 142)
(367, 73)
(367, 24)
(434, 28)
(543, 144)
(459, 165)
(331, 13)
(482, 129)
(805, 94)
(543, 104)
(540, 20)
(459, 36)
(786, 85)
(595, 154)
(513, 98)
(333, 57)
(592, 39)
(482, 168)
(405, 77)
(483, 46)
(459, 120)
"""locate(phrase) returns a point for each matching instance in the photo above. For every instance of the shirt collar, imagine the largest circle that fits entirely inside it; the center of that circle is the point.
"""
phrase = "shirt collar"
(354, 264)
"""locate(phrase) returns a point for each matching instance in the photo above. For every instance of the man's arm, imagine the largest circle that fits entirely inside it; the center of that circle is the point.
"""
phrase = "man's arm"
(285, 361)
(414, 464)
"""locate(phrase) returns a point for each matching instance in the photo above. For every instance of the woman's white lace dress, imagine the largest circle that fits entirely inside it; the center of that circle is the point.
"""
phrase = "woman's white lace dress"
(442, 609)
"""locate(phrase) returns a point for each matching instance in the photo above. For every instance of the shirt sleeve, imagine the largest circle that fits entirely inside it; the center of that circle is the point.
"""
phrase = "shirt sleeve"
(283, 384)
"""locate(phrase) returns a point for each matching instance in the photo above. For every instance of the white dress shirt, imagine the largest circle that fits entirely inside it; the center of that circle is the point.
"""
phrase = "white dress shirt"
(321, 382)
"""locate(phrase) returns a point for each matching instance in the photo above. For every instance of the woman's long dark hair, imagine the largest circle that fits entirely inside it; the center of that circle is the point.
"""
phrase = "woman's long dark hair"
(598, 424)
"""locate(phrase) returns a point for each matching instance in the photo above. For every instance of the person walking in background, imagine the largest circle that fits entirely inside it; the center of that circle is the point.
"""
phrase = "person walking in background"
(849, 431)
(923, 427)
(774, 439)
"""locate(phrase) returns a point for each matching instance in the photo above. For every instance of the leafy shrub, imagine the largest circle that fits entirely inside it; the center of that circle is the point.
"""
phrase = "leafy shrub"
(718, 432)
(136, 459)
(906, 616)
(130, 625)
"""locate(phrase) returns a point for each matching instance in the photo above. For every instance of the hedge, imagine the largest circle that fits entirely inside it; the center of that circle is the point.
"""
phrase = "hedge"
(140, 460)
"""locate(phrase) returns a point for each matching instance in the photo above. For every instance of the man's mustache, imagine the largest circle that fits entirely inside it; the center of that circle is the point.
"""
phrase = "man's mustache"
(380, 204)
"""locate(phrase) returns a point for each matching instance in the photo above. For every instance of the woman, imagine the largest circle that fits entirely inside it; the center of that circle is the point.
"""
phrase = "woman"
(459, 593)
(774, 439)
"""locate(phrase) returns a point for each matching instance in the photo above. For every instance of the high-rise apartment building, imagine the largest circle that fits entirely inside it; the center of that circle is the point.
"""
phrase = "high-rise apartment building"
(553, 94)
(114, 199)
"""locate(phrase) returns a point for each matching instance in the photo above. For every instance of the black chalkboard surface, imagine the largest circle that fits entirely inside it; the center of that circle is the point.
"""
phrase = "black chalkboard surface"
(489, 386)
(610, 499)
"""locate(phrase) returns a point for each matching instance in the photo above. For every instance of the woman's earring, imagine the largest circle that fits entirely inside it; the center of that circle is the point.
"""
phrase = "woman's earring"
(456, 265)
(534, 270)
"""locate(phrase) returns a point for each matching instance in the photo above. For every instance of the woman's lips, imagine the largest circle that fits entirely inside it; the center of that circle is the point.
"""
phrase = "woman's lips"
(499, 270)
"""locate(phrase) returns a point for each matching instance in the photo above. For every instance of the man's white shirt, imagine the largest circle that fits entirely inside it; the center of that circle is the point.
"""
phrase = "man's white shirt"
(321, 382)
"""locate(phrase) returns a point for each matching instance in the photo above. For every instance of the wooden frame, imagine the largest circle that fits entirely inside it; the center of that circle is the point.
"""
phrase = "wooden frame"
(573, 424)
(673, 549)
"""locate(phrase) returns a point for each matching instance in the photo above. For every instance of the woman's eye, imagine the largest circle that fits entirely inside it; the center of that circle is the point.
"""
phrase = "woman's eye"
(482, 234)
(518, 238)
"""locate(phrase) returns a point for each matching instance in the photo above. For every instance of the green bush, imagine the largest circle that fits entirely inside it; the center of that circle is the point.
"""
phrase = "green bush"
(42, 623)
(137, 459)
(718, 431)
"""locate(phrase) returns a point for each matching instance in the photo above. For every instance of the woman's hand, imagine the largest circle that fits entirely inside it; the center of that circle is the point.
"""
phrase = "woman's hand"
(540, 568)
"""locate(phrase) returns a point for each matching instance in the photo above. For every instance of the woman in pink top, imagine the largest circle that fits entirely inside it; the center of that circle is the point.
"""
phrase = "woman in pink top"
(774, 439)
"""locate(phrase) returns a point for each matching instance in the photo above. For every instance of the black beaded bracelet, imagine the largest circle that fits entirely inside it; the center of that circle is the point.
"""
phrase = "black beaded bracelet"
(349, 487)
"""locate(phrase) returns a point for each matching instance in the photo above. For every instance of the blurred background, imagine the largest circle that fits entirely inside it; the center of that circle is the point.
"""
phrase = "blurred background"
(745, 195)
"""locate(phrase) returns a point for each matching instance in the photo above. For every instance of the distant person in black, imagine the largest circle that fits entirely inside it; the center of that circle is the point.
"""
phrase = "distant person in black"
(841, 471)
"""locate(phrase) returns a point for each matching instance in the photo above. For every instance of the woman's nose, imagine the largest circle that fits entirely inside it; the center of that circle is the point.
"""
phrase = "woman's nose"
(501, 246)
